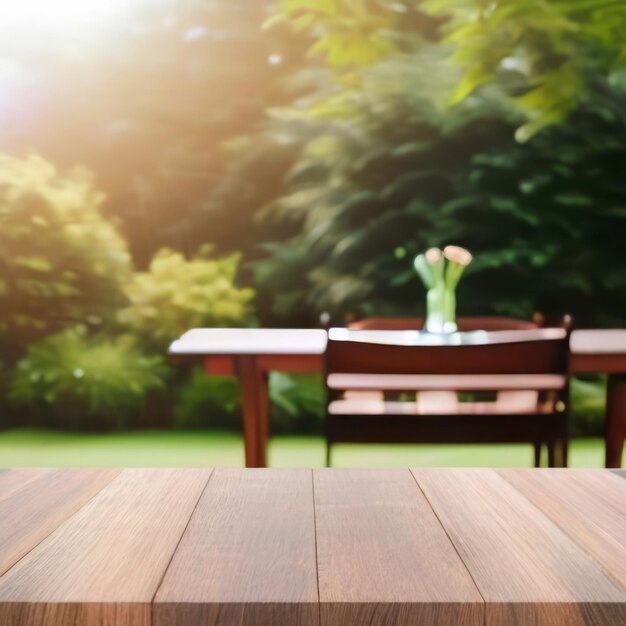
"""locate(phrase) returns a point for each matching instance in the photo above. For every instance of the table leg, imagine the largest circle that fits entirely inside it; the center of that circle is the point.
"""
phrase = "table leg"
(615, 420)
(263, 422)
(255, 409)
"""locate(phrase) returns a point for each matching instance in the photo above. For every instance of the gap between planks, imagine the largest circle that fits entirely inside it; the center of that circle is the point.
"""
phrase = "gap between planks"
(317, 572)
(108, 476)
(445, 530)
(195, 506)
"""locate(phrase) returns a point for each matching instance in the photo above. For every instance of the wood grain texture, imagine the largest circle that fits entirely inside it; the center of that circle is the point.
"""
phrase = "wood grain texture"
(589, 505)
(313, 548)
(248, 555)
(34, 502)
(104, 564)
(383, 558)
(12, 480)
(526, 568)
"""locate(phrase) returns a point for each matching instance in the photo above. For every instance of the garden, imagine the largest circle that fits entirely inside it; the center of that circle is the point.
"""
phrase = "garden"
(243, 163)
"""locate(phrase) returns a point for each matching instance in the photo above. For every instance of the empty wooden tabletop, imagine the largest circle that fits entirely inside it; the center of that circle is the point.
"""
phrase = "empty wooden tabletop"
(202, 547)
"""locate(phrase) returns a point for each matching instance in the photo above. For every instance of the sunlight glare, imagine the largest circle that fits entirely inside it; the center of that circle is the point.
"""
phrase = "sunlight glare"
(22, 19)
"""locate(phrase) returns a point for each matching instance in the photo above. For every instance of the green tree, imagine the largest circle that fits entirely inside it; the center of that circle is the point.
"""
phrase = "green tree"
(394, 171)
(559, 51)
(61, 261)
(551, 53)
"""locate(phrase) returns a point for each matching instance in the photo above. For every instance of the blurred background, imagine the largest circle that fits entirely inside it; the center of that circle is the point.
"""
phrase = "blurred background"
(169, 164)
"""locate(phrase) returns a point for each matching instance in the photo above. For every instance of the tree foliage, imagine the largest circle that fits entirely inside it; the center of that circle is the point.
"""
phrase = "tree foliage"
(395, 134)
(175, 295)
(558, 49)
(61, 261)
(551, 53)
(398, 173)
(149, 110)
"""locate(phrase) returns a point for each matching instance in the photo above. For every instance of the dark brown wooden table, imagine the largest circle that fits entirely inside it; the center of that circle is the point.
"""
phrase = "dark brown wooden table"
(259, 547)
(251, 353)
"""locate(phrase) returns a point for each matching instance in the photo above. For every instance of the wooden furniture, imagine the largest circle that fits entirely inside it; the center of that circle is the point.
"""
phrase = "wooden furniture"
(465, 324)
(225, 547)
(249, 353)
(598, 352)
(531, 365)
(442, 401)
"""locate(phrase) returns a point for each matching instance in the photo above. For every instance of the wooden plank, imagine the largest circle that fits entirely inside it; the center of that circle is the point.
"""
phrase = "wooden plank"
(421, 338)
(619, 472)
(526, 568)
(34, 502)
(104, 564)
(598, 341)
(465, 382)
(256, 341)
(597, 363)
(589, 505)
(248, 555)
(220, 365)
(598, 351)
(295, 363)
(12, 480)
(383, 557)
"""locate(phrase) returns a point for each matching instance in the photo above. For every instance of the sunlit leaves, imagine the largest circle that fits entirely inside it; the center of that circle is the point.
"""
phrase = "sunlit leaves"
(177, 294)
(551, 46)
(558, 44)
(348, 32)
(61, 261)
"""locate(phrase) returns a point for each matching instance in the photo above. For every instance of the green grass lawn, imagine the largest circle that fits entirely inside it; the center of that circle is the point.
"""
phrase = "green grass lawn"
(31, 448)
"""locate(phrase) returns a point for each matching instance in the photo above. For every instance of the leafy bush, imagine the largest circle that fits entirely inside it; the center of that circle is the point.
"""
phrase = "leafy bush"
(208, 402)
(175, 295)
(61, 262)
(588, 406)
(86, 382)
(297, 403)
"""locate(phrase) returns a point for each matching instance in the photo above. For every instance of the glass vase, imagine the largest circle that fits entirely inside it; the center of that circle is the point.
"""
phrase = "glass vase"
(440, 311)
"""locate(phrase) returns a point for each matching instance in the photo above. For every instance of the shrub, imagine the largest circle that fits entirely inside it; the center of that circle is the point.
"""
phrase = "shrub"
(82, 382)
(175, 295)
(61, 261)
(298, 403)
(588, 406)
(208, 402)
